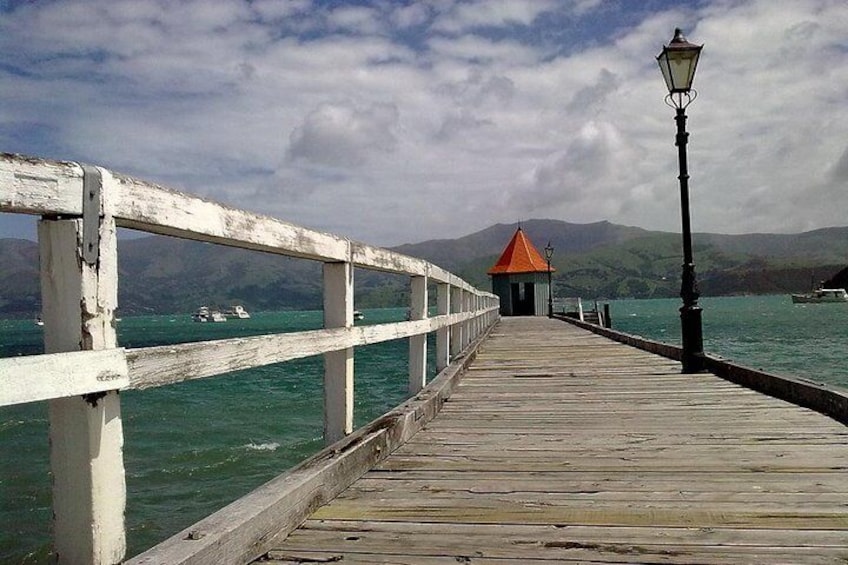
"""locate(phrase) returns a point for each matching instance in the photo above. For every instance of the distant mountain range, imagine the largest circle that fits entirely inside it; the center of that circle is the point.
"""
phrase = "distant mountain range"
(606, 260)
(599, 260)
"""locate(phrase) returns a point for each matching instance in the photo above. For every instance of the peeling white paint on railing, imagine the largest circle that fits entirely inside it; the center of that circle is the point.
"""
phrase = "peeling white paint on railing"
(59, 375)
(84, 369)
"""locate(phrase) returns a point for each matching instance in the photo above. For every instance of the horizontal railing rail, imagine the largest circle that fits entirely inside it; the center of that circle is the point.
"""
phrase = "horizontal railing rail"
(83, 369)
(55, 188)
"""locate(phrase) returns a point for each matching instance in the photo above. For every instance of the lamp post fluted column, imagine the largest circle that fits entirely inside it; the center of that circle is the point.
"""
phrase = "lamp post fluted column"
(690, 313)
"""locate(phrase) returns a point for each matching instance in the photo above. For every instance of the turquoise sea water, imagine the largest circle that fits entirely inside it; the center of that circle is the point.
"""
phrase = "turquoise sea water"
(763, 332)
(193, 447)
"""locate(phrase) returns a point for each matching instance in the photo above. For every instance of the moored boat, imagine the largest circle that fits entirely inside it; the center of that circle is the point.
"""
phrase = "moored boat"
(237, 311)
(821, 295)
(204, 314)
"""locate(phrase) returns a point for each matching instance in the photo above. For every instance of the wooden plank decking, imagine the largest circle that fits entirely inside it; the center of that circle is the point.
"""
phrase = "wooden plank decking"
(560, 445)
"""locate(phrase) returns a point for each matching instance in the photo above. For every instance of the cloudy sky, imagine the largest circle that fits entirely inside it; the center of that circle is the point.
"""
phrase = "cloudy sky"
(392, 122)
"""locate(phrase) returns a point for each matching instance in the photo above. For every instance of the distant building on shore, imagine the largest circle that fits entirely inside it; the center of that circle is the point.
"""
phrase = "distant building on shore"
(520, 278)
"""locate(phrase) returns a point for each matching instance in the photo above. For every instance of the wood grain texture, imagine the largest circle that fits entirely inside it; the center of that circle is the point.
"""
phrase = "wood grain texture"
(29, 185)
(58, 375)
(562, 446)
(86, 433)
(169, 364)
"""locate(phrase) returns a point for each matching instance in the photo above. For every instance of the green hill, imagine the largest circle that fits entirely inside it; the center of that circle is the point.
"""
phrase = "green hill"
(598, 260)
(603, 260)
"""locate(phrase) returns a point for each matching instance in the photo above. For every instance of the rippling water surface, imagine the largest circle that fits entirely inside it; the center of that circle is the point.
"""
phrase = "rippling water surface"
(193, 447)
(766, 332)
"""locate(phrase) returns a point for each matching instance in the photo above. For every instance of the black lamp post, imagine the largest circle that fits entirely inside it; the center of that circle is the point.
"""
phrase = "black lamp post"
(549, 252)
(678, 61)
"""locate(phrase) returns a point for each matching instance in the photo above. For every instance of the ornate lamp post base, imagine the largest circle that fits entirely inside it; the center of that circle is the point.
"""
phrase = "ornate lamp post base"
(693, 341)
(690, 321)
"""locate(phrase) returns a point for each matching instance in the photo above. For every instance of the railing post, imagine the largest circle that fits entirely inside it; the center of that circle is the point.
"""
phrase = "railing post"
(79, 296)
(456, 329)
(338, 365)
(487, 303)
(472, 323)
(468, 324)
(417, 343)
(489, 316)
(442, 334)
(478, 320)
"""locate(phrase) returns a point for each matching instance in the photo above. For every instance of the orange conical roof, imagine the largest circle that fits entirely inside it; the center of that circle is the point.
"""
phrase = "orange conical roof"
(520, 256)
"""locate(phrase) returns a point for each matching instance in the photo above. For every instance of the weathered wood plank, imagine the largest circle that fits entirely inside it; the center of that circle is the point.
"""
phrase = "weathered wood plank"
(456, 330)
(443, 333)
(636, 449)
(338, 364)
(154, 208)
(772, 463)
(169, 364)
(86, 432)
(561, 496)
(417, 343)
(571, 553)
(38, 186)
(565, 440)
(599, 484)
(60, 375)
(621, 513)
(574, 543)
(512, 543)
(512, 533)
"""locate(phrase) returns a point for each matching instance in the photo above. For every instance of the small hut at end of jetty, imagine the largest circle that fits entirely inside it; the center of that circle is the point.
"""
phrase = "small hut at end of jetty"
(520, 278)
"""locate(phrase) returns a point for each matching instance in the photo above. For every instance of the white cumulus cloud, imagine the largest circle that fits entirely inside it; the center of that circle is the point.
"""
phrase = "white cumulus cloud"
(402, 121)
(343, 135)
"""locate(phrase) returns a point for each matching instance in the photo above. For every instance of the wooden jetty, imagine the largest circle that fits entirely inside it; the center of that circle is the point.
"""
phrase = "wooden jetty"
(559, 445)
(539, 441)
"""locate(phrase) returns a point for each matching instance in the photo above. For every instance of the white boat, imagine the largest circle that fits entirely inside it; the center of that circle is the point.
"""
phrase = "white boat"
(238, 311)
(358, 315)
(39, 321)
(204, 314)
(821, 295)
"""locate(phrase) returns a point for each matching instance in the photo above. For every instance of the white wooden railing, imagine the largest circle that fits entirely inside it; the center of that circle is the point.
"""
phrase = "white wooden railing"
(83, 369)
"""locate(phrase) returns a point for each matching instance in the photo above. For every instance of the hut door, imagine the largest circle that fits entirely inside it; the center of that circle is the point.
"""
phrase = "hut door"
(529, 306)
(515, 295)
(523, 299)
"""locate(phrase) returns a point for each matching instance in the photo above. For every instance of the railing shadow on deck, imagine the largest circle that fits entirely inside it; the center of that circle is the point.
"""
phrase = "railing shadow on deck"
(83, 370)
(821, 397)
